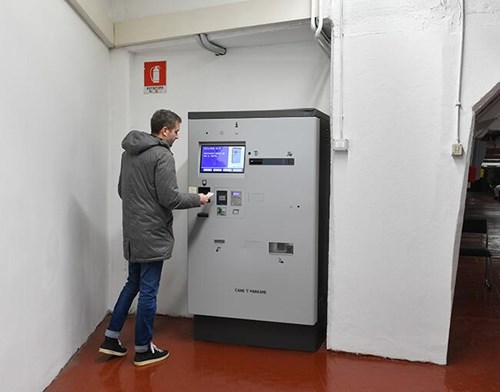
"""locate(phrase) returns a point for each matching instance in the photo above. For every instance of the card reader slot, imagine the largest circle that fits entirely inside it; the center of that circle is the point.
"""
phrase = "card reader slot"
(281, 248)
(272, 161)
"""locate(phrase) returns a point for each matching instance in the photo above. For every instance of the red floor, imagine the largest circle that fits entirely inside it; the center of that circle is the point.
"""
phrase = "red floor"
(473, 365)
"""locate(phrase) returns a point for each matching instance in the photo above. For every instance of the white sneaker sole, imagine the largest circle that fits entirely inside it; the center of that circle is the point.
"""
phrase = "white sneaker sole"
(111, 352)
(142, 363)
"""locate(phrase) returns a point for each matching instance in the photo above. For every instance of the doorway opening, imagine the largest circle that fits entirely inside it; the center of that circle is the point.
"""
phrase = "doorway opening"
(476, 310)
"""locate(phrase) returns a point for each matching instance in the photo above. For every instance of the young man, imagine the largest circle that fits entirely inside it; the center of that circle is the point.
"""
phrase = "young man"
(148, 189)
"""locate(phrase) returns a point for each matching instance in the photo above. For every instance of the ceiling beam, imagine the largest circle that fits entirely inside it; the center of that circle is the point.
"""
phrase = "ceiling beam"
(250, 13)
(206, 20)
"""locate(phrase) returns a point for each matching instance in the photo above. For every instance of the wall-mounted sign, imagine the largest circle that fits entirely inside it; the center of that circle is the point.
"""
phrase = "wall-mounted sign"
(155, 77)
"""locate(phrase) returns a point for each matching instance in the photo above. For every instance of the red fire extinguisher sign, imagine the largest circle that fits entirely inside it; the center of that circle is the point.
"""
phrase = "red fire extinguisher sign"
(155, 77)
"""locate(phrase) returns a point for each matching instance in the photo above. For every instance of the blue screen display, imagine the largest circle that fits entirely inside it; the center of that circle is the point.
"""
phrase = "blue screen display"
(222, 159)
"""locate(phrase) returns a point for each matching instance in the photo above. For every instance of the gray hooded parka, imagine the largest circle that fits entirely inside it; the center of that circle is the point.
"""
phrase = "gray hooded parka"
(148, 189)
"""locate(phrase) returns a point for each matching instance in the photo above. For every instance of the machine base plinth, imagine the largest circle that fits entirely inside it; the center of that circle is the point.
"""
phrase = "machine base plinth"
(259, 333)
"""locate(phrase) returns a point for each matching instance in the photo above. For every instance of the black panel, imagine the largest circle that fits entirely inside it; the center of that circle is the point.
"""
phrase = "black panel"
(324, 217)
(259, 333)
(203, 189)
(259, 114)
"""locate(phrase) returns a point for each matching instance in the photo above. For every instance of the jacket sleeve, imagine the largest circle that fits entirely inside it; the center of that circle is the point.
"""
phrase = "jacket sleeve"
(120, 179)
(166, 186)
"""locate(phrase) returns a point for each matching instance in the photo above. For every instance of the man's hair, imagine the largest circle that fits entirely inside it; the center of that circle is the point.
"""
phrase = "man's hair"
(163, 118)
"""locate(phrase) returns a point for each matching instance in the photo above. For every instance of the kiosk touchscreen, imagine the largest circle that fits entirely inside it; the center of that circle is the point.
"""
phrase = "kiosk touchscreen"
(222, 158)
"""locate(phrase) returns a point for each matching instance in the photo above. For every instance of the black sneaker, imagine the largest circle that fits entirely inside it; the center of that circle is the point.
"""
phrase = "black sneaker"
(112, 347)
(154, 354)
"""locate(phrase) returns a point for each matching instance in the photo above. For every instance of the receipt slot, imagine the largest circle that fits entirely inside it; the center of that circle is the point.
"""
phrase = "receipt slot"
(258, 252)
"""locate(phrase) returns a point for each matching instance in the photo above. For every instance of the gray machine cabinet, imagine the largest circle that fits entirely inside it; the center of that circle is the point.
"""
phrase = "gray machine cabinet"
(257, 251)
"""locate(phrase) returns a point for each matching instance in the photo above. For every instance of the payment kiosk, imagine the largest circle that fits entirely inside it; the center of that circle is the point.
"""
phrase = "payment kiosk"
(258, 252)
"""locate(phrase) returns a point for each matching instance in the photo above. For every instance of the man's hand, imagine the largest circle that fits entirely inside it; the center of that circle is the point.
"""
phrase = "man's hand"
(203, 198)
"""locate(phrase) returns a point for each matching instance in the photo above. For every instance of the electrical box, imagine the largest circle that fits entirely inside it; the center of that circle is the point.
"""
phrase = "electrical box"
(457, 149)
(258, 252)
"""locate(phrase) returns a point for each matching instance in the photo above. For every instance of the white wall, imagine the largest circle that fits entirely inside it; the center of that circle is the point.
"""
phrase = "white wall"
(267, 77)
(398, 194)
(53, 169)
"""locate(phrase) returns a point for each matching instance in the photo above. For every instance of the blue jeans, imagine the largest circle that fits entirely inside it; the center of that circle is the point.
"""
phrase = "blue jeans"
(143, 278)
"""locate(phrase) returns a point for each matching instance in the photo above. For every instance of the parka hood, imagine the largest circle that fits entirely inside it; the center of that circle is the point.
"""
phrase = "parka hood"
(137, 142)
